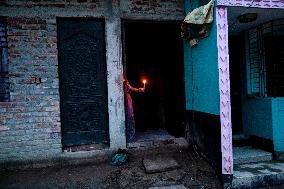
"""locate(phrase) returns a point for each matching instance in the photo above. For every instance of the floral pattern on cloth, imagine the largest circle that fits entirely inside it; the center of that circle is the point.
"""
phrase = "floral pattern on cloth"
(201, 15)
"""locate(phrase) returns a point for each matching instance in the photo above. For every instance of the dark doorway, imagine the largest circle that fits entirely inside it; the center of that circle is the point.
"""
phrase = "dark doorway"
(154, 51)
(274, 59)
(236, 53)
(83, 85)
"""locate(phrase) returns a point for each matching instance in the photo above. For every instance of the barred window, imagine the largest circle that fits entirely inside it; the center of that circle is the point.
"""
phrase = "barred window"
(4, 79)
(266, 59)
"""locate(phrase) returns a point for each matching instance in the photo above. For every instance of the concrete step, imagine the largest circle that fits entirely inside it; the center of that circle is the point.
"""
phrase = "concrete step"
(248, 154)
(241, 140)
(240, 137)
(176, 143)
(258, 174)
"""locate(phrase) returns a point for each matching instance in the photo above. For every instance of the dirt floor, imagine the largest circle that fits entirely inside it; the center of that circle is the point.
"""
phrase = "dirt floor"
(194, 173)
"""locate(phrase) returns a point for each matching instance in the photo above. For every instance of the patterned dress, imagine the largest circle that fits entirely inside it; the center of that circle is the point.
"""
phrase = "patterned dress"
(129, 114)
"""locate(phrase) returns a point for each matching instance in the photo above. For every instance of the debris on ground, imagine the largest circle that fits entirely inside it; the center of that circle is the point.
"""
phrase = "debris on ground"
(120, 157)
(194, 173)
(156, 164)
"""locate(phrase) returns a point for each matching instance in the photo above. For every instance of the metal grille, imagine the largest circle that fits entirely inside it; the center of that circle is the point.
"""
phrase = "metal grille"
(266, 57)
(4, 79)
(257, 62)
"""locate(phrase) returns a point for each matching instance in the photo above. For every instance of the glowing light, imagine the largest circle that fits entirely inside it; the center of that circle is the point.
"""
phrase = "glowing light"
(144, 81)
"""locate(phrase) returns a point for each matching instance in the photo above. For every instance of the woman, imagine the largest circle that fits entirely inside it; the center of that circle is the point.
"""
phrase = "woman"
(129, 114)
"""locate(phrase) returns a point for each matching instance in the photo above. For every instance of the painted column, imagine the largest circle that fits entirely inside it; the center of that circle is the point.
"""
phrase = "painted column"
(224, 87)
(115, 79)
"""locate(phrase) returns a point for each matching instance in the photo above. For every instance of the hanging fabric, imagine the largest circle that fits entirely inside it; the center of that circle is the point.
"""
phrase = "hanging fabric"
(201, 15)
(198, 19)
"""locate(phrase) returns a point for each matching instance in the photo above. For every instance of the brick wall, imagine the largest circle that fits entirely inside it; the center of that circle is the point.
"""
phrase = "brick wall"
(30, 123)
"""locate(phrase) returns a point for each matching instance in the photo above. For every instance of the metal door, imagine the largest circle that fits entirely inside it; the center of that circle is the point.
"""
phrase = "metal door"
(83, 81)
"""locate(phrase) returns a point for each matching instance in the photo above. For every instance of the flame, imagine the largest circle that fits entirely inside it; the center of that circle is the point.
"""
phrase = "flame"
(144, 81)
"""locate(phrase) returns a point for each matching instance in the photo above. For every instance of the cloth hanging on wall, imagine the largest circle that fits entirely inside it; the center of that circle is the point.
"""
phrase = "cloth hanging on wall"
(198, 19)
(201, 15)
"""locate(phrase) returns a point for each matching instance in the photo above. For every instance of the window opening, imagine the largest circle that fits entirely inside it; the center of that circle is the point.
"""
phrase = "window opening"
(4, 78)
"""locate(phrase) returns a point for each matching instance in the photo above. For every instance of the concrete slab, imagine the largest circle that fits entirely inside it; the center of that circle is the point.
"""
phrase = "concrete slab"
(258, 174)
(155, 164)
(170, 187)
(248, 154)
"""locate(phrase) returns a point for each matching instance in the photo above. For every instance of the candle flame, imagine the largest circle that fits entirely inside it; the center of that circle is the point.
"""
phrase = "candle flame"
(144, 81)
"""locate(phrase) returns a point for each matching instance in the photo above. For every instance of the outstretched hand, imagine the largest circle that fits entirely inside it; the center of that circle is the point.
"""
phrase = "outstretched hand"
(142, 90)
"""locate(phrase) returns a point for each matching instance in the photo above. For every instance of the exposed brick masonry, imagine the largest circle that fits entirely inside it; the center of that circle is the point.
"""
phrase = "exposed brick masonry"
(30, 122)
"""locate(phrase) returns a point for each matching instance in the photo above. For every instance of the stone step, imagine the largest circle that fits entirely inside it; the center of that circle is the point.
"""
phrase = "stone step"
(258, 174)
(248, 154)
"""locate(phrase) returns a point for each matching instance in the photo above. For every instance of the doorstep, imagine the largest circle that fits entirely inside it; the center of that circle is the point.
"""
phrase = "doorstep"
(258, 174)
(247, 154)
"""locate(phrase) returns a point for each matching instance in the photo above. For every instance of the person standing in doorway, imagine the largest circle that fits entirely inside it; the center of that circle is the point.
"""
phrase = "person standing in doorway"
(129, 114)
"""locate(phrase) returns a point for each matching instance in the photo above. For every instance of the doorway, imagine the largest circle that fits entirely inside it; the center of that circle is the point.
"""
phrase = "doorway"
(83, 82)
(236, 54)
(154, 51)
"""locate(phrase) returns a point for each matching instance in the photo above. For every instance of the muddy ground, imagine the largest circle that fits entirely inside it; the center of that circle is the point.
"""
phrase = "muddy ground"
(194, 173)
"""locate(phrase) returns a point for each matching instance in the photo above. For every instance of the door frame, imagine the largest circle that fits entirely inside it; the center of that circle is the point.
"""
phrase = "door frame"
(127, 20)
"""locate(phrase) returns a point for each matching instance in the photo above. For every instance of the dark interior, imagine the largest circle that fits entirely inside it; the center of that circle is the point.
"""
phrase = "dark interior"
(274, 59)
(154, 51)
(236, 52)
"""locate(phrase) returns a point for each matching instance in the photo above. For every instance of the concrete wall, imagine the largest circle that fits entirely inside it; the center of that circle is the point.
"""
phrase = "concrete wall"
(278, 124)
(30, 124)
(264, 117)
(257, 118)
(201, 71)
(202, 93)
